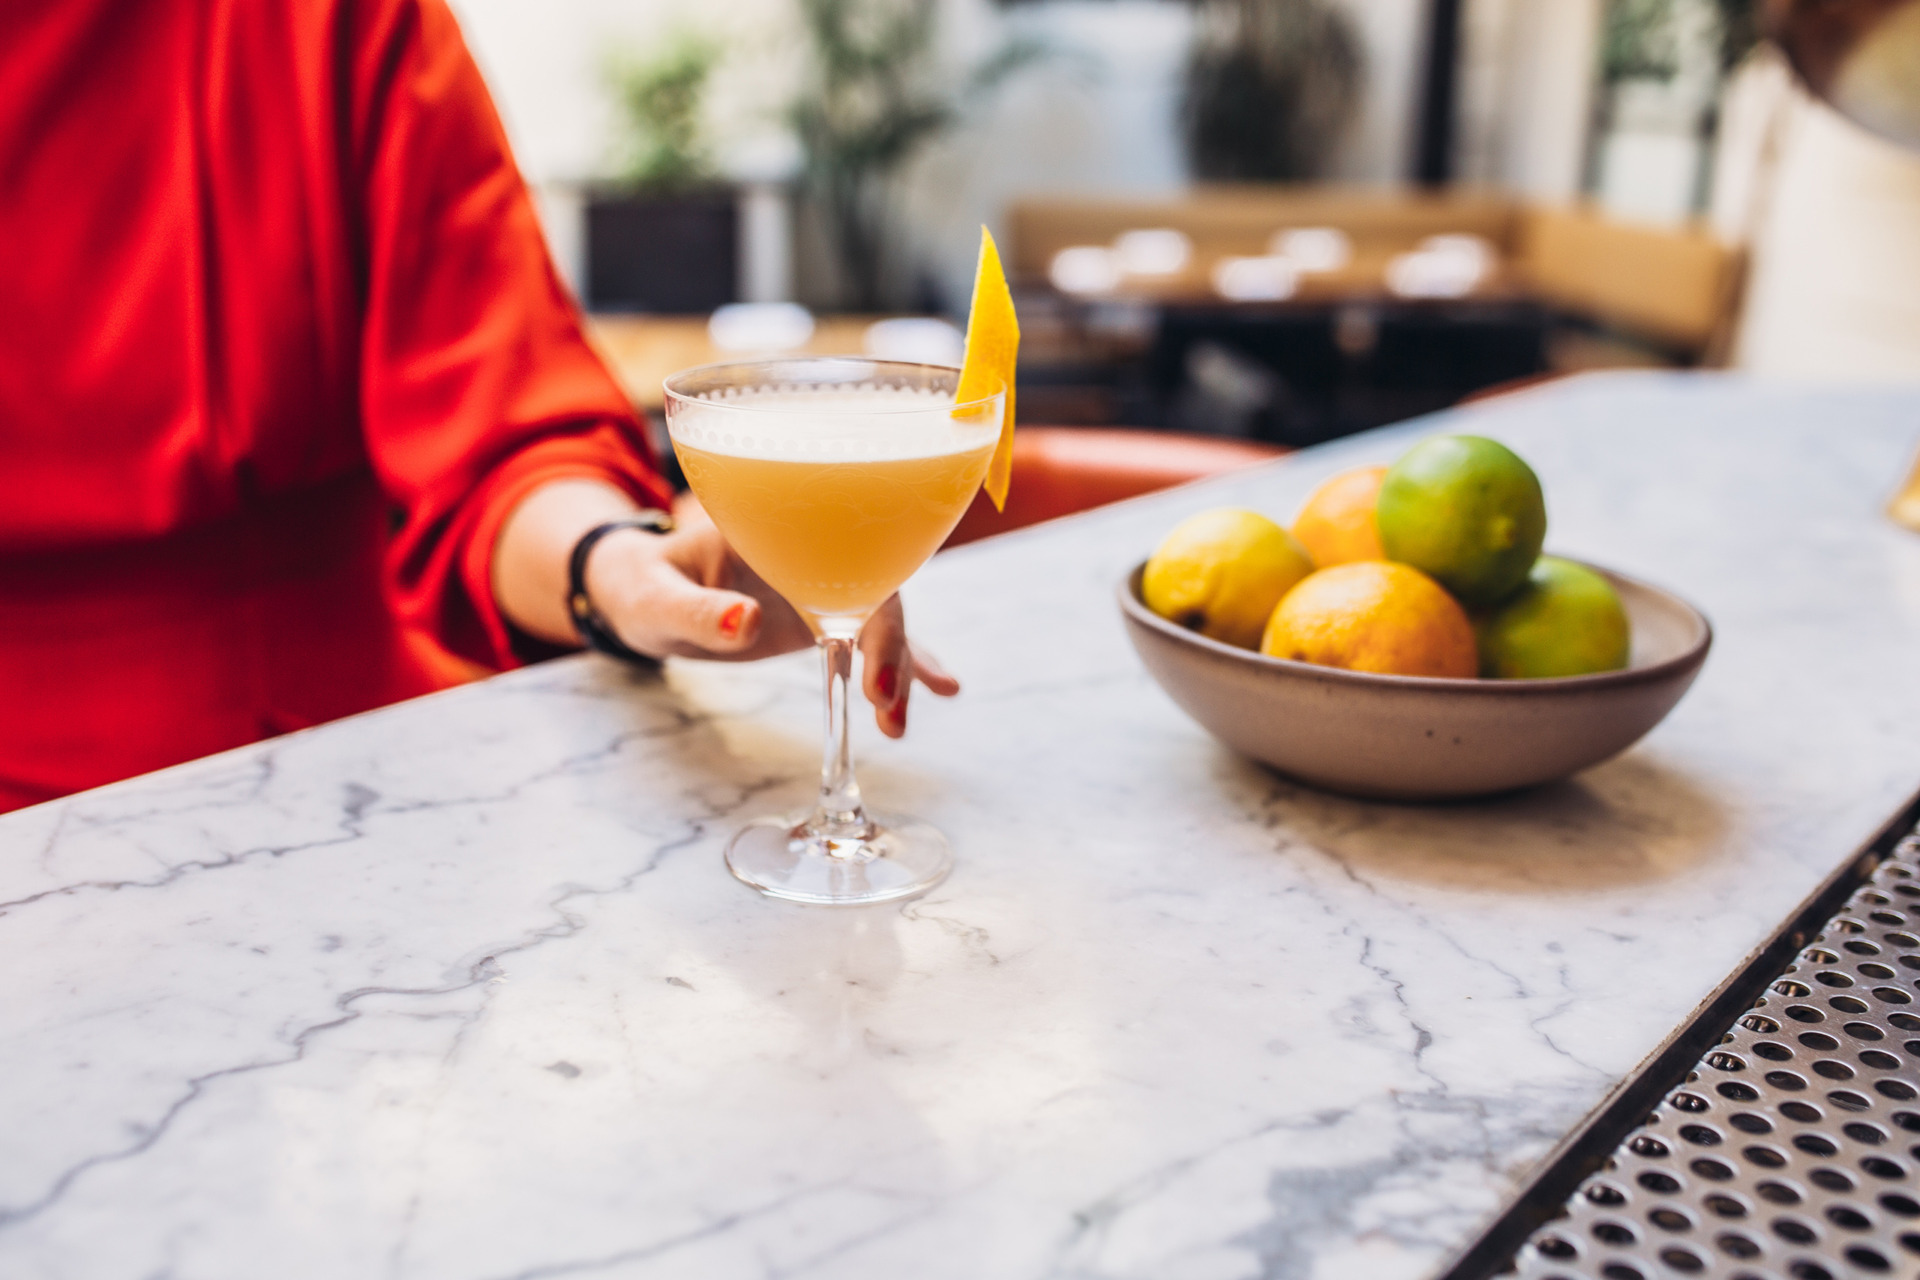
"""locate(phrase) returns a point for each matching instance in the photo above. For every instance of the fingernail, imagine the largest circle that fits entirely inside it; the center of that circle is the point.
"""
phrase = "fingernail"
(898, 715)
(888, 680)
(730, 620)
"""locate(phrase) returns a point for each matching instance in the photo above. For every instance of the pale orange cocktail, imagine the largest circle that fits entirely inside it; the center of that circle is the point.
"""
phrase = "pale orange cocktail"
(834, 479)
(842, 498)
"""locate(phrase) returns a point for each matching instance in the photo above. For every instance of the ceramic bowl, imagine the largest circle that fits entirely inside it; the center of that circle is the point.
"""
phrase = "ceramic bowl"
(1417, 738)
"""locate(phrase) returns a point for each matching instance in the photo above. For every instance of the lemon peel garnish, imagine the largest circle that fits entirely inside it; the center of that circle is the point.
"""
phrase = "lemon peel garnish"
(993, 347)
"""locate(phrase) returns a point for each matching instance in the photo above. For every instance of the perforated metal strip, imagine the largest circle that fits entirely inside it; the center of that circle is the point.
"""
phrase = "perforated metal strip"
(1791, 1150)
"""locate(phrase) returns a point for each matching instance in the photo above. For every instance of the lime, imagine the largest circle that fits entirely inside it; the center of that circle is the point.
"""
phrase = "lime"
(1465, 510)
(1221, 573)
(1565, 621)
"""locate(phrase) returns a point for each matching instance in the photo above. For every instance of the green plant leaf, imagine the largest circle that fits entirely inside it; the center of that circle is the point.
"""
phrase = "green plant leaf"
(662, 100)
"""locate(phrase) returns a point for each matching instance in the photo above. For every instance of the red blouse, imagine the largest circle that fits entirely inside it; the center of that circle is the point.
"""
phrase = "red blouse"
(280, 348)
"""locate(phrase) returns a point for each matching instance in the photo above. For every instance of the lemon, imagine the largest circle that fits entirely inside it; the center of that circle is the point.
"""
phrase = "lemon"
(1467, 511)
(1566, 620)
(1373, 615)
(1221, 573)
(1336, 525)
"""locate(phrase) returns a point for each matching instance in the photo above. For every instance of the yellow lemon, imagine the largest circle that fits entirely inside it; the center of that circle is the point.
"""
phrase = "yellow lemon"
(1566, 620)
(1373, 615)
(1221, 573)
(1336, 525)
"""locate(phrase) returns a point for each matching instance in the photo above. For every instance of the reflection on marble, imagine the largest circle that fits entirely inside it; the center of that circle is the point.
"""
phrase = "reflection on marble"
(462, 989)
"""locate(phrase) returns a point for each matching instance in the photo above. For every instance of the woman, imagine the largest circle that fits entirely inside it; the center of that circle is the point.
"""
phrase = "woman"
(295, 418)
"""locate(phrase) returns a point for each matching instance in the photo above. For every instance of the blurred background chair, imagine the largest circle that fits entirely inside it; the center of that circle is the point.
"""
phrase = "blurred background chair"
(1423, 299)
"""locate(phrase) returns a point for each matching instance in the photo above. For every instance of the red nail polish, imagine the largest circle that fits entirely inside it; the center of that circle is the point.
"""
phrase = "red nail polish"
(898, 714)
(888, 680)
(731, 619)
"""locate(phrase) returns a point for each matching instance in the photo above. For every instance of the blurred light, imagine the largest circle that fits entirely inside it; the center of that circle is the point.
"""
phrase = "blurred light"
(760, 326)
(1267, 279)
(1431, 275)
(1085, 268)
(918, 339)
(1449, 266)
(1313, 248)
(1160, 251)
(1478, 249)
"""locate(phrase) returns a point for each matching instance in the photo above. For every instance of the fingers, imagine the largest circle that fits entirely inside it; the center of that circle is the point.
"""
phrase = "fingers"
(693, 620)
(890, 666)
(701, 554)
(657, 607)
(885, 674)
(782, 629)
(932, 674)
(676, 595)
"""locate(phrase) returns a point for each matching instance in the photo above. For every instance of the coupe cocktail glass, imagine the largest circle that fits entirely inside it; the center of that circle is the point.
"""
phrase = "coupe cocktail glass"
(834, 479)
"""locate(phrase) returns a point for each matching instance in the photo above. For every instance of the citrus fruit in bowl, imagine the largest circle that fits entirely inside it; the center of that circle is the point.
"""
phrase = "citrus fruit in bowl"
(1413, 642)
(1371, 615)
(1336, 523)
(1564, 620)
(1415, 737)
(1220, 573)
(1467, 511)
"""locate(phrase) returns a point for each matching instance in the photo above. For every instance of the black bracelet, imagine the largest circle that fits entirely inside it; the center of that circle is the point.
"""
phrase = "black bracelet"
(593, 629)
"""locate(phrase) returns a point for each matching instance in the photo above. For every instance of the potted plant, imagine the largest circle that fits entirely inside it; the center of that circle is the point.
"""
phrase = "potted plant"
(1271, 86)
(874, 97)
(663, 236)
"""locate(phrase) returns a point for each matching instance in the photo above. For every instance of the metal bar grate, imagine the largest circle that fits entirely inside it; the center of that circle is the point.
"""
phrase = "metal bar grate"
(1791, 1149)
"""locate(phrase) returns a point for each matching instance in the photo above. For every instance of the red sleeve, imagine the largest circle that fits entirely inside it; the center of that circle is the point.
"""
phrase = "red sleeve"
(477, 383)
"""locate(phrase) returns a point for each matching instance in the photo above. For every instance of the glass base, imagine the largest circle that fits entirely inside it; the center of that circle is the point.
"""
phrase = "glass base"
(784, 859)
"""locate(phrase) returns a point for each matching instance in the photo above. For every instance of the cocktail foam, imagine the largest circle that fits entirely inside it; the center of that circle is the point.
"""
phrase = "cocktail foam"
(799, 423)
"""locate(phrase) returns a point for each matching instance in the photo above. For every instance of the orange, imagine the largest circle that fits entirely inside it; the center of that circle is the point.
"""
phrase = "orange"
(1336, 525)
(1373, 615)
(993, 349)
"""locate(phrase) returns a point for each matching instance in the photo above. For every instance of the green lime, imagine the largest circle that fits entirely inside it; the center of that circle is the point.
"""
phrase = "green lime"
(1467, 511)
(1566, 621)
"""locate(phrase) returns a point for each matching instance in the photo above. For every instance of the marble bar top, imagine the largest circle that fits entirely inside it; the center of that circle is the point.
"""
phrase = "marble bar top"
(461, 989)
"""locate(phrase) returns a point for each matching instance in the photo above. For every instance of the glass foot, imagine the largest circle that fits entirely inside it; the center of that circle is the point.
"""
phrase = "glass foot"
(784, 859)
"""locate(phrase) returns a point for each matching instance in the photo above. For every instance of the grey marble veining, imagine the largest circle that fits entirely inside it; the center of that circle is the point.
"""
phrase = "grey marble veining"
(462, 989)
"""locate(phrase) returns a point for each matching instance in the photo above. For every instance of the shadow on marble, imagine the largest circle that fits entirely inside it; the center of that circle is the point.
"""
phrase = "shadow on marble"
(1634, 820)
(831, 972)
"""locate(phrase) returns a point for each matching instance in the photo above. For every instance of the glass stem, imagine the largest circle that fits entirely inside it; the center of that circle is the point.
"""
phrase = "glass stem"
(839, 815)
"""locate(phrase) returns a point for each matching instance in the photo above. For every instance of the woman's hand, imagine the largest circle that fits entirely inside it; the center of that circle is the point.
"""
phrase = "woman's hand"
(683, 593)
(890, 667)
(686, 594)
